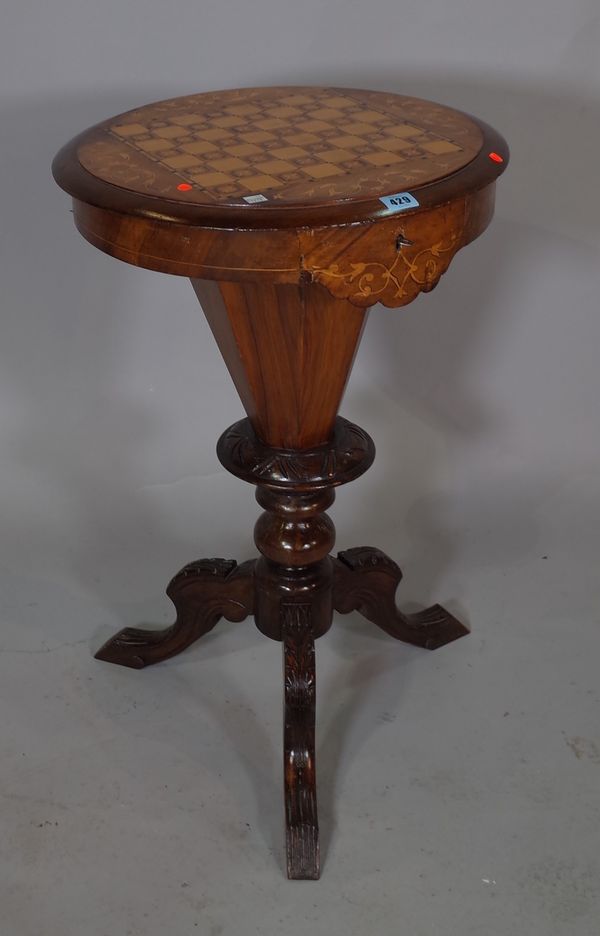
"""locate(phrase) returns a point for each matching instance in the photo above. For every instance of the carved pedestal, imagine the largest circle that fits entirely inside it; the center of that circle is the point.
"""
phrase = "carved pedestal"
(295, 585)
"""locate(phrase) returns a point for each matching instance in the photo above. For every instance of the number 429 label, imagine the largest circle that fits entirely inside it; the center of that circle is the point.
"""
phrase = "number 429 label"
(400, 202)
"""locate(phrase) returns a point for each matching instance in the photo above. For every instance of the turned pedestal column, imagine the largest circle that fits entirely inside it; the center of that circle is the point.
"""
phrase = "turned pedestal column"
(292, 211)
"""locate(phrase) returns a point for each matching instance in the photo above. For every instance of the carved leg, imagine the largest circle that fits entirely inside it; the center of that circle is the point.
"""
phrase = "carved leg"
(294, 585)
(365, 580)
(302, 827)
(202, 593)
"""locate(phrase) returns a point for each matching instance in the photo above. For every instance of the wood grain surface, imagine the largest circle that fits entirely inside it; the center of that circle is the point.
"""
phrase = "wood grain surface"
(287, 145)
(276, 157)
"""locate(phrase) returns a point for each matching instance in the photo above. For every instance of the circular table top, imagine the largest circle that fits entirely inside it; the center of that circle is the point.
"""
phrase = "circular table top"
(275, 156)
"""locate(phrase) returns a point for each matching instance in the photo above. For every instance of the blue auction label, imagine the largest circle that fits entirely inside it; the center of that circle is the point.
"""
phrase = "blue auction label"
(400, 202)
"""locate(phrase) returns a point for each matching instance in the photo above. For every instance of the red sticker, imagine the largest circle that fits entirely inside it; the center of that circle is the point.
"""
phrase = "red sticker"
(496, 157)
(184, 187)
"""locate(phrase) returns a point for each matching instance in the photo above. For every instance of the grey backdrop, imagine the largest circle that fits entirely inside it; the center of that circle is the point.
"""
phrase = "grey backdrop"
(459, 791)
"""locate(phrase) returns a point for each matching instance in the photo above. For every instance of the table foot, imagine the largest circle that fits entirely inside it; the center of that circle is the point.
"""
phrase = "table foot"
(365, 580)
(203, 592)
(302, 827)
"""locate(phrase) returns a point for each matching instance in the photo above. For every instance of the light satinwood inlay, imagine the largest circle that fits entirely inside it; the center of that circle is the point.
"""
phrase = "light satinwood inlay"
(289, 144)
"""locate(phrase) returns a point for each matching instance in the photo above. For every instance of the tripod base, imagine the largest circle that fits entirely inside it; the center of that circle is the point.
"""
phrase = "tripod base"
(362, 579)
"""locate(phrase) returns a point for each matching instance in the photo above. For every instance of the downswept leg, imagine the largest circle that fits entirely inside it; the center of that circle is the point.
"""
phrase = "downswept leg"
(302, 827)
(203, 592)
(365, 580)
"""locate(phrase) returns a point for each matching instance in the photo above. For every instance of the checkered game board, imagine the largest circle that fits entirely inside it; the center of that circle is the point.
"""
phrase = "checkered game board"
(285, 144)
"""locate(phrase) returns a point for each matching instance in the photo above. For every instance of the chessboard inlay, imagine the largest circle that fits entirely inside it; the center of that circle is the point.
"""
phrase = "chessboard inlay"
(289, 145)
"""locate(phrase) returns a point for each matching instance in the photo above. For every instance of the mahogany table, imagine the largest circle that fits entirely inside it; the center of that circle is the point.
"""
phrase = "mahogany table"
(292, 210)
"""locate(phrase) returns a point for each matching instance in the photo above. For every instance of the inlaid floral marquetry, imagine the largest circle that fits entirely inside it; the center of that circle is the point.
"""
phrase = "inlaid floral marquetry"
(395, 283)
(281, 145)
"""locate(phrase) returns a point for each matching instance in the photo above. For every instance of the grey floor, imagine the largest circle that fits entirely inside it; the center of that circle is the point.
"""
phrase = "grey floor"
(459, 790)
